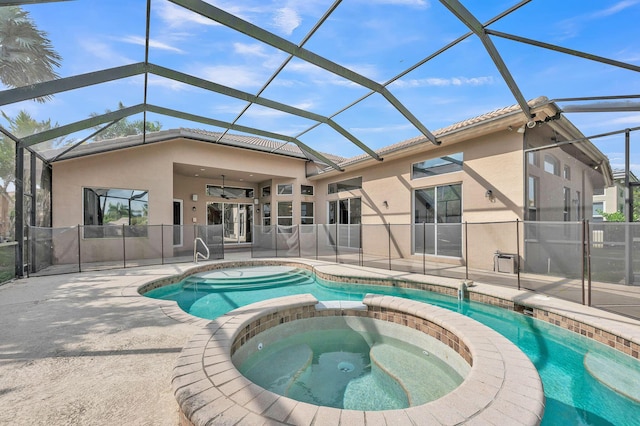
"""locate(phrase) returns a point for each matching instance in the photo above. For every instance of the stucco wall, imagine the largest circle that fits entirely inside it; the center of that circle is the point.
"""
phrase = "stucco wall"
(493, 160)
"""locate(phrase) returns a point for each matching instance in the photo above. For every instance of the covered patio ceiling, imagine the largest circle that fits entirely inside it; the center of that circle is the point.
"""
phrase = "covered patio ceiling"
(326, 79)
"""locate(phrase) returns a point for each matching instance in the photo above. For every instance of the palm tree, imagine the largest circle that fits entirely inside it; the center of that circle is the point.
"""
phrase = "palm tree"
(23, 124)
(126, 127)
(26, 54)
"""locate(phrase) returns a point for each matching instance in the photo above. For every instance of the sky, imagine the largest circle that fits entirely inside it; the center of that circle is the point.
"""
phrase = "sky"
(378, 39)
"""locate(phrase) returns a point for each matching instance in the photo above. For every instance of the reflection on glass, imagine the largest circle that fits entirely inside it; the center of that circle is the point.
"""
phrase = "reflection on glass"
(115, 207)
(437, 220)
(437, 166)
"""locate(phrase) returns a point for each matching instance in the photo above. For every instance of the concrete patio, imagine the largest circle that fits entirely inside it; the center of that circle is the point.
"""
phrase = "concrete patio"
(85, 349)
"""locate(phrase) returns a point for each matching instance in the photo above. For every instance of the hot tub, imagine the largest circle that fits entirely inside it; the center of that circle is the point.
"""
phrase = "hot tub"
(497, 378)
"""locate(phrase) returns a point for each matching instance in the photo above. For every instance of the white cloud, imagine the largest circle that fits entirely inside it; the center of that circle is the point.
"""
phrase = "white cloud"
(616, 8)
(260, 111)
(606, 125)
(317, 75)
(167, 83)
(573, 26)
(252, 50)
(271, 59)
(152, 43)
(286, 20)
(633, 120)
(104, 51)
(176, 16)
(306, 105)
(443, 82)
(234, 76)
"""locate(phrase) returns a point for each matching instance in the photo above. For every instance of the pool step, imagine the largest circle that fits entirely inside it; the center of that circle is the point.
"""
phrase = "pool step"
(367, 393)
(625, 381)
(279, 279)
(420, 375)
(281, 368)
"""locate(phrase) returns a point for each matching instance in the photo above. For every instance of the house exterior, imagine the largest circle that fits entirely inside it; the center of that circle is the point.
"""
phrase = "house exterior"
(611, 198)
(492, 168)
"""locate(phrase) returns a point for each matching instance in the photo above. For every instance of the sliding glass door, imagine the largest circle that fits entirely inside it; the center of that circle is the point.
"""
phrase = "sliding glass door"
(236, 220)
(437, 220)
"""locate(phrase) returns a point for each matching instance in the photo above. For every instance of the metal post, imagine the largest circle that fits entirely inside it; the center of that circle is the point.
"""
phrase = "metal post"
(584, 253)
(518, 249)
(29, 243)
(32, 212)
(389, 234)
(317, 225)
(361, 260)
(253, 240)
(628, 213)
(299, 249)
(19, 208)
(222, 238)
(162, 243)
(466, 250)
(124, 249)
(588, 239)
(424, 248)
(337, 239)
(79, 251)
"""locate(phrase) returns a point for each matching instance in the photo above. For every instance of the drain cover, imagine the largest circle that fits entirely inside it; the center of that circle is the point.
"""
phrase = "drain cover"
(345, 367)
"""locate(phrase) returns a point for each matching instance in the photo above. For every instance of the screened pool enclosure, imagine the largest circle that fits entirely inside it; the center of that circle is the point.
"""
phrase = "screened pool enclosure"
(331, 82)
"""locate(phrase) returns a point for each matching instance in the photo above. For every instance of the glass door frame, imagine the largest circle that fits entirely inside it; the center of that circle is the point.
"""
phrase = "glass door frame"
(244, 229)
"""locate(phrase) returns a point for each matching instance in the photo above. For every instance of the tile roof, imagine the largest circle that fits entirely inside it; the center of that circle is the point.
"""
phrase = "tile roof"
(500, 112)
(281, 147)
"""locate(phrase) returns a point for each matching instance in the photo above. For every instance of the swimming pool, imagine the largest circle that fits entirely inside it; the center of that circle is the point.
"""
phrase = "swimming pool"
(573, 395)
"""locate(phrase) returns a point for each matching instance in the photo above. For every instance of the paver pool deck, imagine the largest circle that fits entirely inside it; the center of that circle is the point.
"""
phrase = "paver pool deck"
(86, 349)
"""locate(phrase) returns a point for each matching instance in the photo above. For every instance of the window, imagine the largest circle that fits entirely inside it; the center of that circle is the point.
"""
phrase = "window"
(598, 191)
(437, 219)
(578, 206)
(345, 185)
(285, 215)
(306, 189)
(266, 191)
(566, 172)
(437, 166)
(533, 158)
(551, 165)
(566, 212)
(229, 192)
(285, 189)
(532, 198)
(598, 208)
(266, 214)
(306, 213)
(113, 208)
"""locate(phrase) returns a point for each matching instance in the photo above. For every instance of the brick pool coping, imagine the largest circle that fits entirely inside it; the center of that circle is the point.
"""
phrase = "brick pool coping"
(502, 384)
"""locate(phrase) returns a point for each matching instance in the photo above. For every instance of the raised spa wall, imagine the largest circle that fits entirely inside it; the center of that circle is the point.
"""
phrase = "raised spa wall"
(398, 374)
(502, 383)
(577, 323)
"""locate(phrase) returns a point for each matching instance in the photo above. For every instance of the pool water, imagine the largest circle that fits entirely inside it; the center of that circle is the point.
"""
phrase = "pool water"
(333, 367)
(573, 395)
